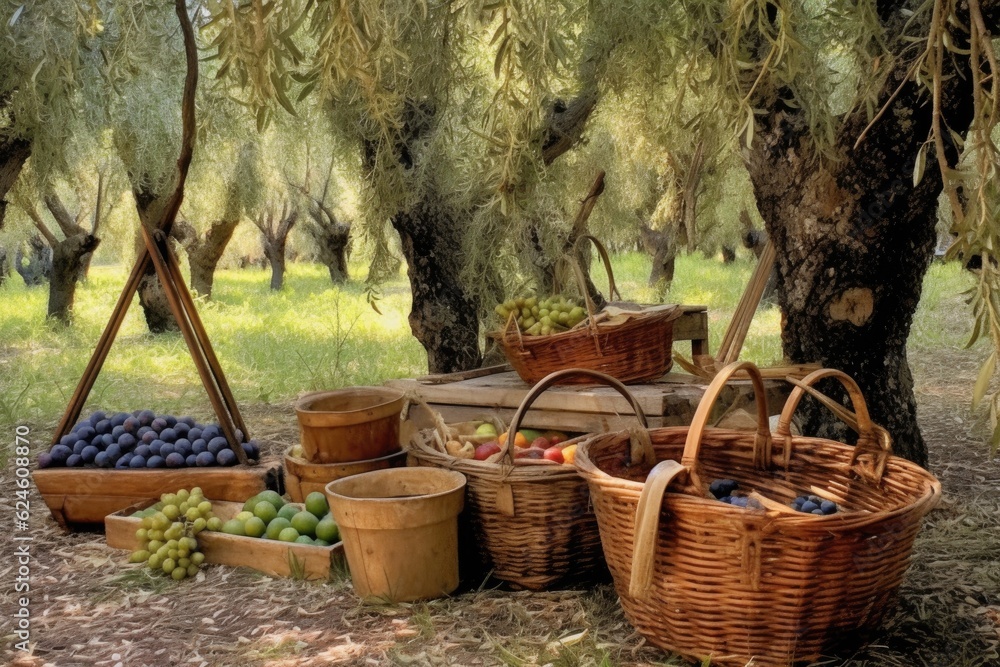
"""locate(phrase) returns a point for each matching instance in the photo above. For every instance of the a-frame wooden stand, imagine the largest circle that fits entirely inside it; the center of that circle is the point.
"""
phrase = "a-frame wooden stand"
(158, 251)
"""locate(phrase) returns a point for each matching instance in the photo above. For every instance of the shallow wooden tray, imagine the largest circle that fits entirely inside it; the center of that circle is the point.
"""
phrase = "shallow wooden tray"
(81, 497)
(279, 559)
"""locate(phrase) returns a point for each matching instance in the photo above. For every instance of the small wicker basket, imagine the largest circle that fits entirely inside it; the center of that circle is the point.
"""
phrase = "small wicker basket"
(631, 348)
(531, 521)
(766, 586)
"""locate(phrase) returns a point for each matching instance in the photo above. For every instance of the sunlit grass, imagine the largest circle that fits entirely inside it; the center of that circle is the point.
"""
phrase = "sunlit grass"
(313, 335)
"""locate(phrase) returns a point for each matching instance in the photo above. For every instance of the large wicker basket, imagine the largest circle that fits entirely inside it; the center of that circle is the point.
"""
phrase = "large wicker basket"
(531, 521)
(632, 347)
(765, 586)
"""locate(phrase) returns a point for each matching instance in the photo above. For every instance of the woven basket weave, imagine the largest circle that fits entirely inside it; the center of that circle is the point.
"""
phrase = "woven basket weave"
(766, 586)
(635, 350)
(531, 521)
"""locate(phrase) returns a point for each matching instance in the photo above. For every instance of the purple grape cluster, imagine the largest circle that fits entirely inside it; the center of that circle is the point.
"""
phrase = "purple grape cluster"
(144, 440)
(814, 505)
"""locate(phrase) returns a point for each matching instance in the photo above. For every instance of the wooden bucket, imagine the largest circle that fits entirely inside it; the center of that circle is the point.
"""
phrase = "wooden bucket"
(353, 424)
(303, 477)
(400, 531)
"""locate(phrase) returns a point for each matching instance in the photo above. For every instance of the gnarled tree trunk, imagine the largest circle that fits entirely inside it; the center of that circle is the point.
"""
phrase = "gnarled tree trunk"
(13, 154)
(274, 230)
(443, 317)
(854, 239)
(67, 258)
(660, 244)
(38, 268)
(204, 251)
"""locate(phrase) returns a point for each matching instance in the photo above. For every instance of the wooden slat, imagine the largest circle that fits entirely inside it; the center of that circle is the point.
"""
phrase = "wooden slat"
(508, 390)
(268, 556)
(87, 495)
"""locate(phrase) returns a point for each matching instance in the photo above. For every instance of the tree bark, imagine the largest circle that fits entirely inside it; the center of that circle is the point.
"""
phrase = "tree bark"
(66, 260)
(443, 317)
(333, 242)
(4, 266)
(854, 239)
(659, 244)
(275, 253)
(204, 251)
(39, 265)
(274, 237)
(13, 154)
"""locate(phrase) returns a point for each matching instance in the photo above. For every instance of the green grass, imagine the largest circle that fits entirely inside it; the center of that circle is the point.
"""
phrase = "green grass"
(272, 345)
(312, 335)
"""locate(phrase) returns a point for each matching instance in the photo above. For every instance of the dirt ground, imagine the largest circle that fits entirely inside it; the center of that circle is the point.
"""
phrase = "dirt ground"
(89, 608)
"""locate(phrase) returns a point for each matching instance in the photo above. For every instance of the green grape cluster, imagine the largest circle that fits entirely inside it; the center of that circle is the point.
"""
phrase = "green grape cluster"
(551, 315)
(168, 537)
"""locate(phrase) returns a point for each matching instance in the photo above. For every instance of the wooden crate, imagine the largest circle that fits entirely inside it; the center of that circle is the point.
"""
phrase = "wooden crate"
(78, 497)
(268, 556)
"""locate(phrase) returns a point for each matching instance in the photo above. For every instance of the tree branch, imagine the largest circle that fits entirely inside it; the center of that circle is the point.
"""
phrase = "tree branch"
(62, 217)
(173, 203)
(43, 229)
(566, 123)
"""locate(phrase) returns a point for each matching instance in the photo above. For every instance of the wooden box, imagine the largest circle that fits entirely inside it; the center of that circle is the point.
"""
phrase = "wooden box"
(79, 496)
(278, 559)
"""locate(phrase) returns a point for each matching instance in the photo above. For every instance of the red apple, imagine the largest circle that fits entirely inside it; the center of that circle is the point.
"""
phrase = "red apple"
(554, 454)
(486, 450)
(541, 443)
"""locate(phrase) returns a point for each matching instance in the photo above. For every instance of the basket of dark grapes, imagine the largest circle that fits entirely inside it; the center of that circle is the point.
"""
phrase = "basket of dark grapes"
(750, 547)
(108, 461)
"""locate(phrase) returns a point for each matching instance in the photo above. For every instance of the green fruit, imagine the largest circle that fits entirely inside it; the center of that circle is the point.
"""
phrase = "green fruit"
(243, 516)
(305, 523)
(321, 543)
(254, 527)
(317, 505)
(234, 527)
(139, 556)
(486, 428)
(168, 565)
(265, 512)
(288, 511)
(328, 531)
(275, 526)
(272, 497)
(303, 539)
(251, 503)
(215, 523)
(192, 570)
(288, 535)
(197, 558)
(178, 573)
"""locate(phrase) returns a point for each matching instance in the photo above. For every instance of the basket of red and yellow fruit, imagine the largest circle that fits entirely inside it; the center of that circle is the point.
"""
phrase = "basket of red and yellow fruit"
(528, 509)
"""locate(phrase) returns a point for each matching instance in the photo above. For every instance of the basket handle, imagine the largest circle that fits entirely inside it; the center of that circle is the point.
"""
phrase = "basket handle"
(603, 252)
(551, 379)
(872, 438)
(647, 526)
(762, 438)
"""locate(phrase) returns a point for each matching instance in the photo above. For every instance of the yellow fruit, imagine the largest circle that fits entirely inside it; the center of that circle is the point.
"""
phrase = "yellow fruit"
(569, 454)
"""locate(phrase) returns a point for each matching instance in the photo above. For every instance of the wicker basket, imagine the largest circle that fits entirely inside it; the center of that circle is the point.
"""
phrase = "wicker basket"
(765, 586)
(631, 348)
(531, 521)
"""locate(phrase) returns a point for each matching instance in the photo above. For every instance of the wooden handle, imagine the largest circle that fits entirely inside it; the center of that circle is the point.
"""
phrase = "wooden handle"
(871, 438)
(548, 381)
(647, 526)
(602, 251)
(762, 439)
